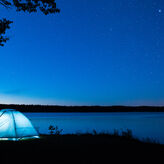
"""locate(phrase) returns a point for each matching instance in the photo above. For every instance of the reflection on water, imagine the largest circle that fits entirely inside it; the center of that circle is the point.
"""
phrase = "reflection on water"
(142, 124)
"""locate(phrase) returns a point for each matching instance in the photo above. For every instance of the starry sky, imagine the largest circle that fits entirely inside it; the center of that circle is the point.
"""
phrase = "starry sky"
(91, 53)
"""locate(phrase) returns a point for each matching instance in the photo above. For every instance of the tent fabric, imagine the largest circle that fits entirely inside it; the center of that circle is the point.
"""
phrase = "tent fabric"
(14, 125)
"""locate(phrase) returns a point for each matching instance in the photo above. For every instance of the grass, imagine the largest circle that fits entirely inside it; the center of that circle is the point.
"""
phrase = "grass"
(81, 148)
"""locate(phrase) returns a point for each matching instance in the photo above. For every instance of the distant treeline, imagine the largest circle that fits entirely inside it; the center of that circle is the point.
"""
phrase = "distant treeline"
(56, 108)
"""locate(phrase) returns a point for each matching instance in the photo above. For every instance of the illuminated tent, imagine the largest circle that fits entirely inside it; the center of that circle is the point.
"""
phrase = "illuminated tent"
(15, 126)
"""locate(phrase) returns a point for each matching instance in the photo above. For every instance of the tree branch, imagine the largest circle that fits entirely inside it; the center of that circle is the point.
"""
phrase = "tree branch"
(45, 6)
(4, 25)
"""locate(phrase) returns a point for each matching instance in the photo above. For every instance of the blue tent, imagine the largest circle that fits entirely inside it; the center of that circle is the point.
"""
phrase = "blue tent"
(15, 126)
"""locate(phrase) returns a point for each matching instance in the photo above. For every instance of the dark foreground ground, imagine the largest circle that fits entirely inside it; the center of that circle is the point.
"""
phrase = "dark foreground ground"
(81, 149)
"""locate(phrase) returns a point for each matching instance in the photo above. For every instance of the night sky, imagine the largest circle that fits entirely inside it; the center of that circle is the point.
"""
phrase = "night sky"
(108, 52)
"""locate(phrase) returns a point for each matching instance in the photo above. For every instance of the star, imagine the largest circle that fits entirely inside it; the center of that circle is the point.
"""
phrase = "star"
(160, 10)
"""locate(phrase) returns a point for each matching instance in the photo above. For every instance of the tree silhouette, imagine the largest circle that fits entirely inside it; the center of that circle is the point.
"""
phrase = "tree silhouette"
(45, 6)
(4, 24)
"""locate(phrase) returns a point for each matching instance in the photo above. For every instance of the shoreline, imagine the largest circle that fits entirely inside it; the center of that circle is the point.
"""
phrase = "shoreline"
(57, 108)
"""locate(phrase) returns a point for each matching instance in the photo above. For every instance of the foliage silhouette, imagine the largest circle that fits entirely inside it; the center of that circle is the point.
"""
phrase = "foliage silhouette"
(57, 108)
(4, 25)
(54, 130)
(45, 6)
(127, 134)
(51, 129)
(81, 149)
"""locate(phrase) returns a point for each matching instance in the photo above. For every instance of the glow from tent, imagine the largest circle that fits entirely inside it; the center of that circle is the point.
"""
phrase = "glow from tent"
(14, 126)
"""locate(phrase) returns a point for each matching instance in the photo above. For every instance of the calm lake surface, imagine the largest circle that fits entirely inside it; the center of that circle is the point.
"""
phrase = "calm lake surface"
(142, 124)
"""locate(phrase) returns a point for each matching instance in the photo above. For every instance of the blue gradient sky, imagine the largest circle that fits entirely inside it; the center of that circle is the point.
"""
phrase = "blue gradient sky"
(92, 53)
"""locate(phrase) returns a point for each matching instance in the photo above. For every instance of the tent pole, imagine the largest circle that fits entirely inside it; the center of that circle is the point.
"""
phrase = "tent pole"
(2, 113)
(14, 125)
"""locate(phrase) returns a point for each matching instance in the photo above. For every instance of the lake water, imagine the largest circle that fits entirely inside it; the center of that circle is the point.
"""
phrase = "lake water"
(142, 124)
